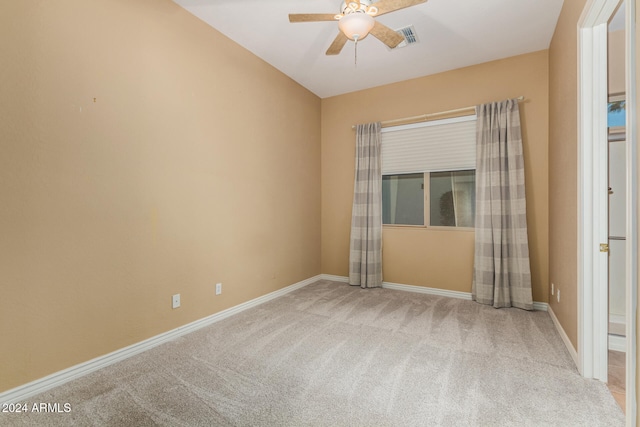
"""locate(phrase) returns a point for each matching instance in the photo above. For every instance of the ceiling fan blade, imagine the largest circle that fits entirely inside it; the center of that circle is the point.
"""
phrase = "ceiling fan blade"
(311, 17)
(386, 35)
(386, 6)
(338, 44)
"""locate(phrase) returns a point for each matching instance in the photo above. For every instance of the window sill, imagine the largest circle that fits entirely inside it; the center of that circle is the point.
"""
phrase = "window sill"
(430, 228)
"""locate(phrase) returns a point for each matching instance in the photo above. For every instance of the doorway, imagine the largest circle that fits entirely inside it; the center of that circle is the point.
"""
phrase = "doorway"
(616, 367)
(593, 224)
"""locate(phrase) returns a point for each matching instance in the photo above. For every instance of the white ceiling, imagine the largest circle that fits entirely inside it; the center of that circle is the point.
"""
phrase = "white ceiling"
(452, 34)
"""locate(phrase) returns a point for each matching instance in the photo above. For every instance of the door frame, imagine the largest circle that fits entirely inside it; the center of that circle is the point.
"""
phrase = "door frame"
(593, 195)
(632, 210)
(592, 189)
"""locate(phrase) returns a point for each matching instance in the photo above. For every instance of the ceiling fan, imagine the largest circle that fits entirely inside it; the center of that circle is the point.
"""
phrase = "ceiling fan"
(356, 21)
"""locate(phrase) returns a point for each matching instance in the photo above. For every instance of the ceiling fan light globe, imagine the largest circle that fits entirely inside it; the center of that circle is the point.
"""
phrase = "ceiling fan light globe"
(356, 25)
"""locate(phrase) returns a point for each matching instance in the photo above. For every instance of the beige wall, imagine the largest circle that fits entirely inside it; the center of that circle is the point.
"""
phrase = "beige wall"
(142, 154)
(422, 257)
(129, 172)
(563, 164)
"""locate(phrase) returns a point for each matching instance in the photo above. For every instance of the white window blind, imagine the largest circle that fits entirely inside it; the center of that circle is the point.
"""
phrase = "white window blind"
(439, 145)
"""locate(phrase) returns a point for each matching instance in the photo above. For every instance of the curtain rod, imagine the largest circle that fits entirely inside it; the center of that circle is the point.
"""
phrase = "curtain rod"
(423, 117)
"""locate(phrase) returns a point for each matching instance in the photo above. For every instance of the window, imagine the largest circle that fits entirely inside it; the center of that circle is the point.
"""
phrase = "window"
(450, 199)
(616, 114)
(403, 199)
(616, 118)
(453, 198)
(429, 174)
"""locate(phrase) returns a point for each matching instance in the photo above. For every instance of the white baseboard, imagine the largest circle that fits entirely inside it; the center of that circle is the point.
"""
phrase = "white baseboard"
(618, 343)
(617, 326)
(539, 306)
(56, 379)
(407, 288)
(565, 338)
(333, 278)
(61, 377)
(426, 290)
(615, 343)
(617, 318)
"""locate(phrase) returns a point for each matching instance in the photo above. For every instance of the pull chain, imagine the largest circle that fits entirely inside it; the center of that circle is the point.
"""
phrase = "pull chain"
(355, 59)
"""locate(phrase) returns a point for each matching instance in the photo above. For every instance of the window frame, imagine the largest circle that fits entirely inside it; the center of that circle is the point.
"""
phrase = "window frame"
(426, 179)
(401, 165)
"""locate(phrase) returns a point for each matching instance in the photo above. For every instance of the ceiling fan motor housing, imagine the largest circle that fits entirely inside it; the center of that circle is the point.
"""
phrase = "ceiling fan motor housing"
(357, 20)
(355, 6)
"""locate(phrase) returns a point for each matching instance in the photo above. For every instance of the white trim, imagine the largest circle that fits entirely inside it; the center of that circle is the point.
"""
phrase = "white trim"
(563, 335)
(61, 377)
(617, 343)
(426, 290)
(538, 306)
(590, 315)
(592, 195)
(632, 211)
(56, 379)
(618, 319)
(617, 325)
(333, 278)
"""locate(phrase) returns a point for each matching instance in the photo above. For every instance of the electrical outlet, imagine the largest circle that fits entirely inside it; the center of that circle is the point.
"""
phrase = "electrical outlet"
(175, 301)
(552, 288)
(558, 295)
(218, 288)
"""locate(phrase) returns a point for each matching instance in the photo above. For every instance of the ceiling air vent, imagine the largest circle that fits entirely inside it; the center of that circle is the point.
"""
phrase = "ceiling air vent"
(409, 34)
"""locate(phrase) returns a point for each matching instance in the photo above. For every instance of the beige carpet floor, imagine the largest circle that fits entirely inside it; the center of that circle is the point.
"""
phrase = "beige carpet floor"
(334, 355)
